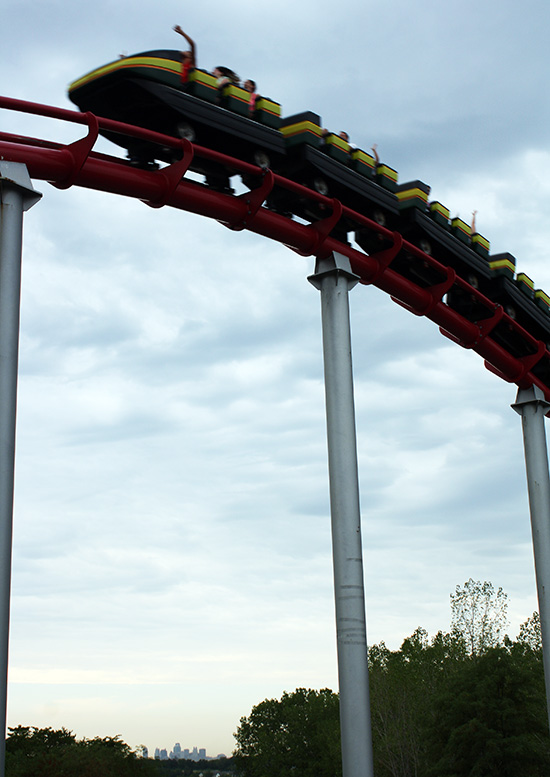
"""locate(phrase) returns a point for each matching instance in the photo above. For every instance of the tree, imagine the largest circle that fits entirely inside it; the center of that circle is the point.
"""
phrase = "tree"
(296, 735)
(490, 720)
(403, 685)
(45, 752)
(530, 635)
(479, 615)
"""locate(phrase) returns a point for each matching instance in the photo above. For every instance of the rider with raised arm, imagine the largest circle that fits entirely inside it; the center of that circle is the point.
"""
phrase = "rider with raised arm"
(189, 57)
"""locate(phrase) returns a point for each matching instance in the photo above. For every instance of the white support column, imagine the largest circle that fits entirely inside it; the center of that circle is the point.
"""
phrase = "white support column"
(532, 406)
(334, 279)
(16, 196)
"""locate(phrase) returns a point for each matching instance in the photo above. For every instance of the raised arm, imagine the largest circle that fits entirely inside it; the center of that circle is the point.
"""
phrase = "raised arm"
(189, 40)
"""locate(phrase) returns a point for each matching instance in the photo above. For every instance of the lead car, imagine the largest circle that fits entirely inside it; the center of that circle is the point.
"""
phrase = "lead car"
(146, 90)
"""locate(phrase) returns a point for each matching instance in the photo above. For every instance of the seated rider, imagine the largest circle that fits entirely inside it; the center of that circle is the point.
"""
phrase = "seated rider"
(189, 57)
(224, 76)
(345, 136)
(342, 134)
(250, 86)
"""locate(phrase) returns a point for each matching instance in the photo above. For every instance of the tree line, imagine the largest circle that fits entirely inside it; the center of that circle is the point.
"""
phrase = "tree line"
(467, 703)
(47, 752)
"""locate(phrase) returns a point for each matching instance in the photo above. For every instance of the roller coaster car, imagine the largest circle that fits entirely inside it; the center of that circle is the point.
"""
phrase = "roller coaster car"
(146, 90)
(451, 243)
(325, 163)
(428, 227)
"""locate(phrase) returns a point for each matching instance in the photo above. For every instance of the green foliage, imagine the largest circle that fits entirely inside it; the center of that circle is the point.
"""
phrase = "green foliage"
(45, 752)
(530, 636)
(490, 719)
(467, 704)
(296, 735)
(403, 685)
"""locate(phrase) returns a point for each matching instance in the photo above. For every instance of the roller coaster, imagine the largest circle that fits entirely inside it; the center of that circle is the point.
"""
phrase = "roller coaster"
(308, 190)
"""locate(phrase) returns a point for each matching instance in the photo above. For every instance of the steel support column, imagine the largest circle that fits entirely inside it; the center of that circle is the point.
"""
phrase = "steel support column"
(334, 279)
(532, 406)
(16, 196)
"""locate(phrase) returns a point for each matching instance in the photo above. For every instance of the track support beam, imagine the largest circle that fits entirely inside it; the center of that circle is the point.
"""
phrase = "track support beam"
(334, 279)
(16, 196)
(532, 406)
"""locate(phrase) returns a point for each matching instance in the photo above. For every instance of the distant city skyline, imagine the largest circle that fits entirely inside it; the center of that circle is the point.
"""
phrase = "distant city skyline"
(196, 754)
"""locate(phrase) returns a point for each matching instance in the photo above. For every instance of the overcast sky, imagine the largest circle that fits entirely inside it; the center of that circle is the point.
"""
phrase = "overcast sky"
(172, 559)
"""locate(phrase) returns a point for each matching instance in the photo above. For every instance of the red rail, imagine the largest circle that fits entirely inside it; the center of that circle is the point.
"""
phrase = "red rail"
(77, 164)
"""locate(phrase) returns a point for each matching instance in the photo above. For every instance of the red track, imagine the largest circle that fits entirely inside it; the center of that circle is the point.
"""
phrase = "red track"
(76, 164)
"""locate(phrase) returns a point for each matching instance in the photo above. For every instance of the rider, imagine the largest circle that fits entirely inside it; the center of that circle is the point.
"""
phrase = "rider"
(189, 57)
(250, 86)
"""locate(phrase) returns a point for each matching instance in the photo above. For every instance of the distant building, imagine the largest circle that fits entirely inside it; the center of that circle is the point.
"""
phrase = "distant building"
(197, 754)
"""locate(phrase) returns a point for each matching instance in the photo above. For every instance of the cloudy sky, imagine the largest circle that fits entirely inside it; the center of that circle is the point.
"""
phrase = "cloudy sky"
(172, 559)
